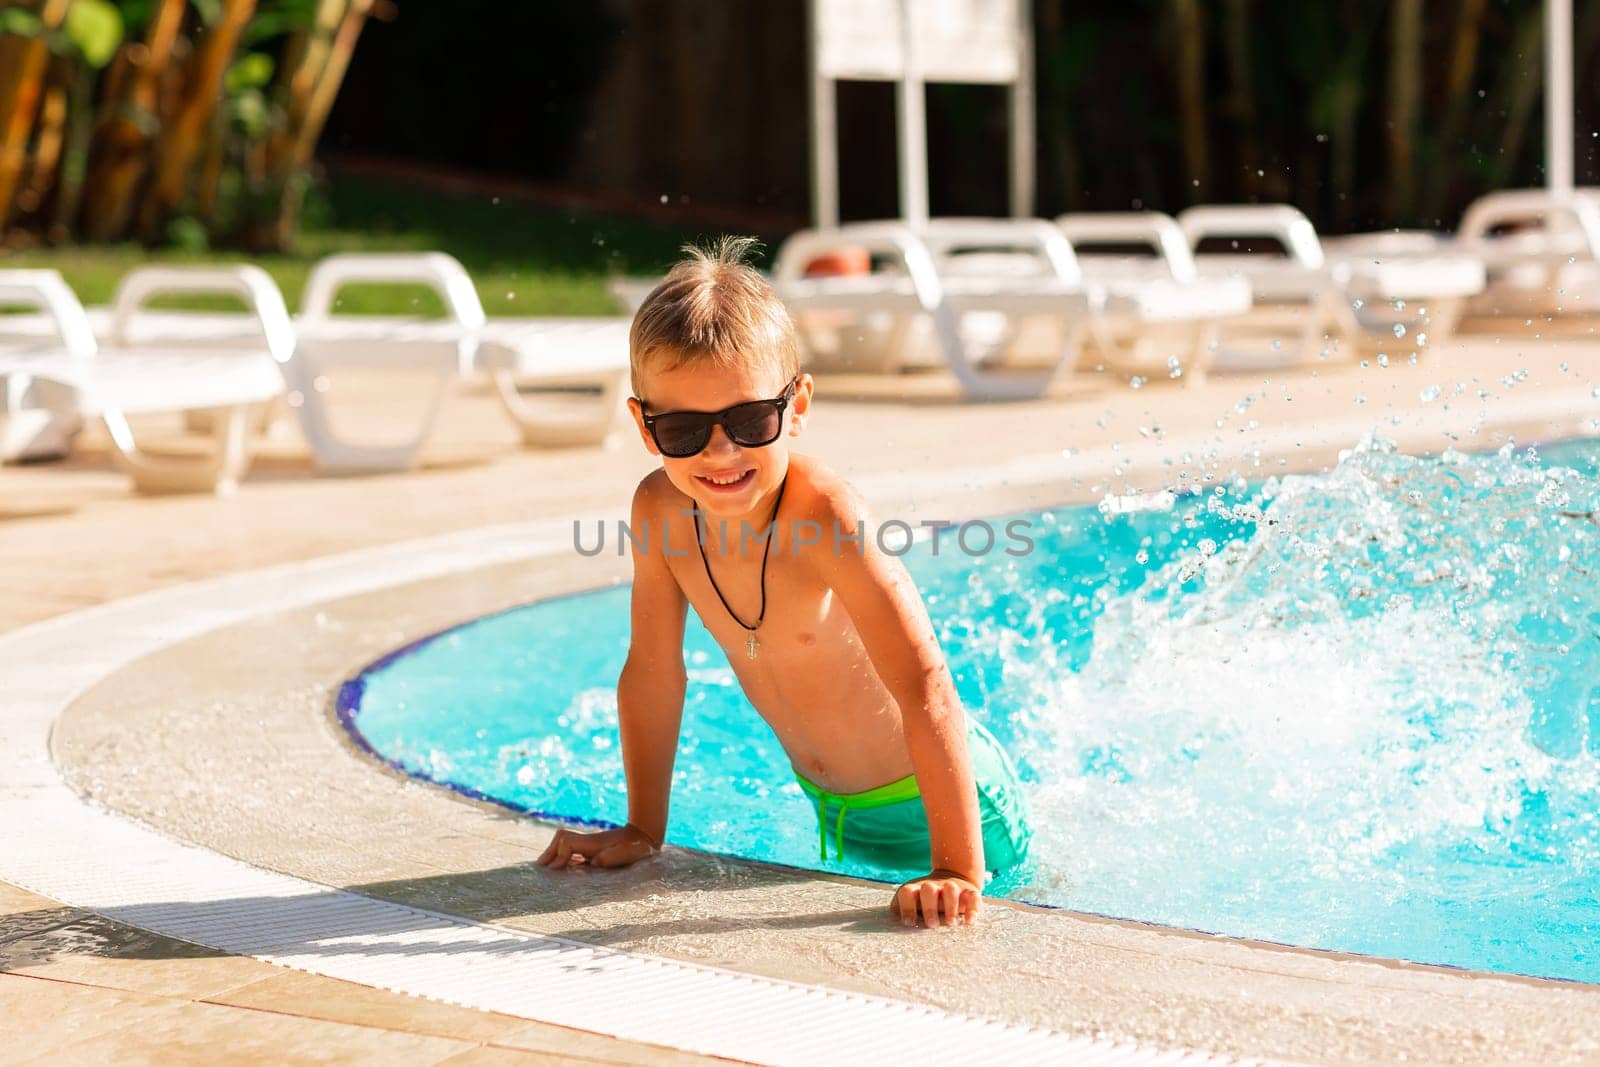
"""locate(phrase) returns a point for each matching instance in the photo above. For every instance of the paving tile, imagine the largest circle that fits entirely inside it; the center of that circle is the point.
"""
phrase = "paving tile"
(317, 997)
(203, 1035)
(96, 951)
(507, 1057)
(40, 1017)
(14, 899)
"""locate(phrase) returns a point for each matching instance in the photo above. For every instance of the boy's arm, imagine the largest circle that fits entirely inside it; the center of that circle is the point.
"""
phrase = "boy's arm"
(649, 702)
(651, 689)
(893, 622)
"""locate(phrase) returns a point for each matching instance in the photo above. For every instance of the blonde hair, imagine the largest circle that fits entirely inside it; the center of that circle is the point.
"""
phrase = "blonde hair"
(713, 306)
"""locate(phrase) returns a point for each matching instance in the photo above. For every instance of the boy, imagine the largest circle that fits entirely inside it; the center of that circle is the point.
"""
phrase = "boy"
(826, 632)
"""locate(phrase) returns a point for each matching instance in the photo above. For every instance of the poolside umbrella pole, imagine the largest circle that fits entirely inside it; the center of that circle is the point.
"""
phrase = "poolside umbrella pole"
(1558, 134)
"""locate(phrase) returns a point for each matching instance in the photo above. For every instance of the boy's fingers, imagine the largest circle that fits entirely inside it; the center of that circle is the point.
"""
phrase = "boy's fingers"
(564, 846)
(930, 903)
(969, 904)
(550, 850)
(906, 904)
(949, 896)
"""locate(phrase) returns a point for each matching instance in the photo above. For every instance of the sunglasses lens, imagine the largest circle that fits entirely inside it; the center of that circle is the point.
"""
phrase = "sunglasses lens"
(755, 424)
(682, 435)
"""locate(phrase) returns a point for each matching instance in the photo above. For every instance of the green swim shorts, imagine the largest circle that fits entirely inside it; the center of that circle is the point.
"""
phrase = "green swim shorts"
(888, 826)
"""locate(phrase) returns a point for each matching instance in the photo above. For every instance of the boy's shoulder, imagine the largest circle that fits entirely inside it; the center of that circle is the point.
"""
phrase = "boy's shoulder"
(820, 495)
(656, 495)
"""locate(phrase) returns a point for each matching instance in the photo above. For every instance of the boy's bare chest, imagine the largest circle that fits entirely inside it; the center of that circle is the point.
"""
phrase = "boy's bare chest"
(789, 612)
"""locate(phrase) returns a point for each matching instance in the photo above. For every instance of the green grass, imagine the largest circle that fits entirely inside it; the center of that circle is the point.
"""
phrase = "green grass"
(525, 260)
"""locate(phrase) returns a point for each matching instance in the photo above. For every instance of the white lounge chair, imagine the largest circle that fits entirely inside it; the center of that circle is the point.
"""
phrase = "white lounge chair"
(1308, 305)
(1003, 335)
(1549, 261)
(549, 353)
(575, 357)
(1158, 317)
(1541, 250)
(55, 382)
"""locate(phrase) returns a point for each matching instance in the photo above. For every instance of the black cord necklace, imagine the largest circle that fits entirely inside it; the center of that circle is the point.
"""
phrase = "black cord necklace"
(750, 643)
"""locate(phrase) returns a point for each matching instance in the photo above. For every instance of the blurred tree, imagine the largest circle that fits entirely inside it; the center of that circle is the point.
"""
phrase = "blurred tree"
(1405, 100)
(1189, 28)
(152, 118)
(24, 61)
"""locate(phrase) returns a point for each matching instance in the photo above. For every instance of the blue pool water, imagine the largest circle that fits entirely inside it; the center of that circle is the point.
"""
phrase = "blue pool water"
(1356, 711)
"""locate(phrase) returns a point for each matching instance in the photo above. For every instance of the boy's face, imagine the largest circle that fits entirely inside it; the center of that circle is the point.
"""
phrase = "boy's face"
(727, 480)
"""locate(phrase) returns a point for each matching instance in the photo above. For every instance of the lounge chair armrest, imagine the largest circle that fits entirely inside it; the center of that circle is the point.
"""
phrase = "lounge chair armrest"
(1150, 228)
(1284, 224)
(888, 238)
(256, 287)
(443, 274)
(1018, 235)
(1513, 205)
(49, 292)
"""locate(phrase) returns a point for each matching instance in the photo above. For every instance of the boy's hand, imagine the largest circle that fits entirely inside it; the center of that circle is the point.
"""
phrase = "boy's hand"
(940, 898)
(603, 848)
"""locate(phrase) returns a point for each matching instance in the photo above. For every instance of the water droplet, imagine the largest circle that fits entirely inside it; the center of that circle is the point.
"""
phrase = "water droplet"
(1361, 400)
(1358, 303)
(1136, 381)
(1142, 556)
(1430, 394)
(1383, 359)
(1399, 329)
(1422, 339)
(1399, 305)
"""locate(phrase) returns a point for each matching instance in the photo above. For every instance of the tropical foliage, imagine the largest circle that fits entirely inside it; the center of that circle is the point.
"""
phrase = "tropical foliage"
(182, 121)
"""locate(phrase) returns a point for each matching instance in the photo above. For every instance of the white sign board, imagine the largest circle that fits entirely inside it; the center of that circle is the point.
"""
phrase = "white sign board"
(913, 42)
(951, 40)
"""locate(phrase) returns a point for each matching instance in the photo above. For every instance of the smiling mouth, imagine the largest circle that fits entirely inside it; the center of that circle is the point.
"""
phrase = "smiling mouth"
(723, 482)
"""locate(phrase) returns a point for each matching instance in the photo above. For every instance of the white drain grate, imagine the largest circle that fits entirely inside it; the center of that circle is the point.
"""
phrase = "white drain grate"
(54, 843)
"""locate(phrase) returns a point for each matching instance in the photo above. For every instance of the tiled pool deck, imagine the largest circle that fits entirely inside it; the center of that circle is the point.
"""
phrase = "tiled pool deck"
(222, 738)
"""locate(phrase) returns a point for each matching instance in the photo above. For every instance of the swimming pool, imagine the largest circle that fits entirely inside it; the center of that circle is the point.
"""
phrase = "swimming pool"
(1357, 711)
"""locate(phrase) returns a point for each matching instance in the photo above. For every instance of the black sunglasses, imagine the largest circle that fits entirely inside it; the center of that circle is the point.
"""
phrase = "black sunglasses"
(753, 424)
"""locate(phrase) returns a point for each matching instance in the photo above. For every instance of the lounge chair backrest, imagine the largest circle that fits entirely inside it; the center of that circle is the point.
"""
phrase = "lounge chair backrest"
(1149, 228)
(49, 292)
(919, 251)
(1031, 237)
(1282, 223)
(442, 273)
(254, 285)
(894, 239)
(1577, 213)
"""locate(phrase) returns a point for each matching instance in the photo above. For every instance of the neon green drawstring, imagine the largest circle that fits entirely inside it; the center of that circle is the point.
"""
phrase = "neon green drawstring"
(892, 793)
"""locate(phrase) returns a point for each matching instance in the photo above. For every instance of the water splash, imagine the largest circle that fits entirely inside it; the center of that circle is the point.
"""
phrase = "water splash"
(1377, 716)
